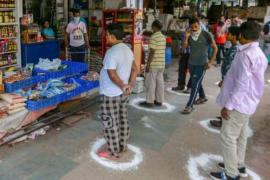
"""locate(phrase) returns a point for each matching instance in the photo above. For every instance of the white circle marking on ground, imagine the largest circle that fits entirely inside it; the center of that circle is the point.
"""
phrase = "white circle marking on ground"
(206, 124)
(177, 93)
(202, 162)
(135, 103)
(183, 94)
(132, 165)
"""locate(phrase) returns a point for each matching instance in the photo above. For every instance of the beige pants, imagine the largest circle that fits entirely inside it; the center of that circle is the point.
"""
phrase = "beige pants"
(154, 83)
(234, 135)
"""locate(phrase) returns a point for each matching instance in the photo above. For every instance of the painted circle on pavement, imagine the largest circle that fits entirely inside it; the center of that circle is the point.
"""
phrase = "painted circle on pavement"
(206, 125)
(136, 101)
(204, 162)
(123, 166)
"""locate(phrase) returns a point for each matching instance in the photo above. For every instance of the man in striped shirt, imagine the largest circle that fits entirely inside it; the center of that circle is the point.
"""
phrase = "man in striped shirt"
(155, 67)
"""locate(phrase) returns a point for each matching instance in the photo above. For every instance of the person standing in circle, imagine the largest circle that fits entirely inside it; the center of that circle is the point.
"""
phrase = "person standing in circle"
(117, 78)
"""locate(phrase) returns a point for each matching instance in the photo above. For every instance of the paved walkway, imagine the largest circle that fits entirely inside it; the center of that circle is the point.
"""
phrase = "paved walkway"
(168, 141)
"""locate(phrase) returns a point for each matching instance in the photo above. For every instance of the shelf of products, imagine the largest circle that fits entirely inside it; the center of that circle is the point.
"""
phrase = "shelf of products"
(124, 20)
(7, 4)
(8, 59)
(7, 17)
(9, 34)
(60, 19)
(7, 24)
(130, 19)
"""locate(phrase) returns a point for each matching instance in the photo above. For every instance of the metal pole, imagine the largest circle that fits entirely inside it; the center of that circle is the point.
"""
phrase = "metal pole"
(155, 7)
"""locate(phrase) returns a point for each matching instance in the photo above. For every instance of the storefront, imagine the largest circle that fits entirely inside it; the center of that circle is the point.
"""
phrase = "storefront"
(36, 75)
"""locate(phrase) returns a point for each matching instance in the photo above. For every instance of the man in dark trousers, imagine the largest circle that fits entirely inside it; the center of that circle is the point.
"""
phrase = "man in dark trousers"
(199, 42)
(183, 68)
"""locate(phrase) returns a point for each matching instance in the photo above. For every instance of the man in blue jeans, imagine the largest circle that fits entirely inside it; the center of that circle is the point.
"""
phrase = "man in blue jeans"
(199, 42)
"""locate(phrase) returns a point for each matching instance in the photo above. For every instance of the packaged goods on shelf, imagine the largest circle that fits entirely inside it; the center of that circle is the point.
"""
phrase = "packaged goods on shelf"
(8, 59)
(7, 4)
(7, 17)
(7, 31)
(139, 87)
(91, 76)
(12, 103)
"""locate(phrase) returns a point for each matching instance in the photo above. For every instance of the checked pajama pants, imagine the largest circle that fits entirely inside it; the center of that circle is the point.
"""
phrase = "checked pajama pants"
(115, 123)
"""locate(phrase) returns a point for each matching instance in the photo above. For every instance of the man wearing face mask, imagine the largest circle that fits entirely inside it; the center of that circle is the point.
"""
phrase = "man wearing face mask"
(76, 38)
(71, 16)
(199, 42)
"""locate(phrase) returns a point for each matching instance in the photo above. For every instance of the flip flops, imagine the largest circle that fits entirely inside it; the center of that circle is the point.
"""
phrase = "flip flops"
(107, 155)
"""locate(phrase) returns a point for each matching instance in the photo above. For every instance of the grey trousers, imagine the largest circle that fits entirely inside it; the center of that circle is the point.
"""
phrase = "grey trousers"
(154, 84)
(234, 135)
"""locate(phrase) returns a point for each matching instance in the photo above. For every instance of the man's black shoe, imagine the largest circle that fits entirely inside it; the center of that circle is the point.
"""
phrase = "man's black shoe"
(178, 88)
(157, 103)
(242, 170)
(146, 104)
(222, 176)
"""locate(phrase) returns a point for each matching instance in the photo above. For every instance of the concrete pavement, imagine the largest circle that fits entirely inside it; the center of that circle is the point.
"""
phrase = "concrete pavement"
(168, 140)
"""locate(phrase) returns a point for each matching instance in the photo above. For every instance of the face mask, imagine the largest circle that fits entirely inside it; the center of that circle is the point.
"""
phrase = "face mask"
(195, 35)
(76, 20)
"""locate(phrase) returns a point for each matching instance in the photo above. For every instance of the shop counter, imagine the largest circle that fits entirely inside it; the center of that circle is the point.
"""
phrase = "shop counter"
(47, 49)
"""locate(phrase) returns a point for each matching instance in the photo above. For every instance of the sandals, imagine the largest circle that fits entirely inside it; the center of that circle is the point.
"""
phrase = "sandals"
(200, 101)
(187, 110)
(107, 155)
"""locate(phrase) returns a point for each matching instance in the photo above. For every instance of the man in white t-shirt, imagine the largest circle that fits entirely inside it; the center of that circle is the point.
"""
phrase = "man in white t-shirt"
(76, 38)
(117, 78)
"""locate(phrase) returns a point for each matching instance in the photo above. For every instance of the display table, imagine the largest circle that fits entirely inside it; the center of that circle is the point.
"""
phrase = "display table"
(46, 49)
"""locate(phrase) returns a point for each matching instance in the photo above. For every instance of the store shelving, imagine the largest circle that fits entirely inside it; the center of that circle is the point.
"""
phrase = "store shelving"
(131, 20)
(8, 38)
(9, 52)
(7, 24)
(7, 9)
(10, 22)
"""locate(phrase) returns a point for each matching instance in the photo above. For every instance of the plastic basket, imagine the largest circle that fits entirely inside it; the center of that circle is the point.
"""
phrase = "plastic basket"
(43, 103)
(168, 55)
(11, 87)
(73, 68)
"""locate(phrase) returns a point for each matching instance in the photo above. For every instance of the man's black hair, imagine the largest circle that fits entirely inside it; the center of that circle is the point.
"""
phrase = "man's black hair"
(116, 29)
(76, 11)
(250, 30)
(45, 20)
(235, 31)
(157, 24)
(221, 23)
(71, 10)
(194, 20)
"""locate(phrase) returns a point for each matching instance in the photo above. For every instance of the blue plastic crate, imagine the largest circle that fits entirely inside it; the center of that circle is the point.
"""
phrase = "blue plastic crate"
(168, 55)
(43, 103)
(11, 87)
(73, 68)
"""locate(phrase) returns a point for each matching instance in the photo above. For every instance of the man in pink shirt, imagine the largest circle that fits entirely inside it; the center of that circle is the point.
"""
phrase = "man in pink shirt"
(239, 97)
